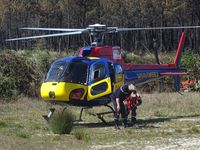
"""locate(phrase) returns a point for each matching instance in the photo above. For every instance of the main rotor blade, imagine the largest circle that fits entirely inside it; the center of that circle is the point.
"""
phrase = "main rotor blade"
(48, 35)
(157, 28)
(53, 29)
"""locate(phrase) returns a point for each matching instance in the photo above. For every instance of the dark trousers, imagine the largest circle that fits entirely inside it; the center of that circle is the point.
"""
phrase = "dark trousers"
(133, 111)
(117, 113)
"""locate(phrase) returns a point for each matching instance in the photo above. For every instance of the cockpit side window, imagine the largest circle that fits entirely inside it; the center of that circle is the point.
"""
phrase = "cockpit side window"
(98, 72)
(76, 73)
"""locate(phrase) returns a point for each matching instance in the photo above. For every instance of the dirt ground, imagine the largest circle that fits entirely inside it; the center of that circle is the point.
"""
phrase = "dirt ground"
(166, 121)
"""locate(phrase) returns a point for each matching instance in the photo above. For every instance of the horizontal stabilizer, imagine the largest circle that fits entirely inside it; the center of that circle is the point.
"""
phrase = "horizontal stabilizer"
(174, 73)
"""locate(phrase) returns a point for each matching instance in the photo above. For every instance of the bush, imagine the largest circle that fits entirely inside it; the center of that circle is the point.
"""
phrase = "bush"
(19, 74)
(191, 61)
(8, 87)
(62, 122)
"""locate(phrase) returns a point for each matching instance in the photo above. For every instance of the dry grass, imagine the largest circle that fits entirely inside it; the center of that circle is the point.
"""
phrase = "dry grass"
(167, 118)
(169, 104)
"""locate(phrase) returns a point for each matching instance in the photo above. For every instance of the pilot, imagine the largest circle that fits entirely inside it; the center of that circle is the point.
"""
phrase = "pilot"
(131, 104)
(117, 98)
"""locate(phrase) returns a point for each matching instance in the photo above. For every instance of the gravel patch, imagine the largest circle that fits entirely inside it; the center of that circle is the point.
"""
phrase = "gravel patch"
(159, 144)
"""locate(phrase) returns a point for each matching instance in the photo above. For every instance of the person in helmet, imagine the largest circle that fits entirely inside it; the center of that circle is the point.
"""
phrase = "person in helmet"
(118, 98)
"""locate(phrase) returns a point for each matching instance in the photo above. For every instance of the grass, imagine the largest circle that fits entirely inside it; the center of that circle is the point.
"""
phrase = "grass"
(62, 121)
(162, 118)
(81, 134)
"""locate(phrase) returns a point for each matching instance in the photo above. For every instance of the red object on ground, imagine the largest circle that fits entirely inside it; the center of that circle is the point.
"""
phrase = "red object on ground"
(185, 84)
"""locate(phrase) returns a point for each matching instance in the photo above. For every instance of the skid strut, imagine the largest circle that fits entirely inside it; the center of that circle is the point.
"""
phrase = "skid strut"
(50, 114)
(80, 116)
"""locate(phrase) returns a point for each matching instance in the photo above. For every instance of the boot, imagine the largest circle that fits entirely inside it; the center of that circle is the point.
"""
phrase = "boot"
(133, 120)
(124, 123)
(116, 121)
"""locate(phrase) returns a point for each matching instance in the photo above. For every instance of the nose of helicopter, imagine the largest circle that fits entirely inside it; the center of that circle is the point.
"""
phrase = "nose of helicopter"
(62, 91)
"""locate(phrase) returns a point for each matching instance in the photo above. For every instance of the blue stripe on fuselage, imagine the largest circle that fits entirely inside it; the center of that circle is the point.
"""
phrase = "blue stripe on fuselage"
(143, 75)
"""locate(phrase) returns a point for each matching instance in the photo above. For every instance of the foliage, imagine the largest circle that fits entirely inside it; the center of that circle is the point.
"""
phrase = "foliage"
(8, 87)
(191, 61)
(62, 122)
(19, 75)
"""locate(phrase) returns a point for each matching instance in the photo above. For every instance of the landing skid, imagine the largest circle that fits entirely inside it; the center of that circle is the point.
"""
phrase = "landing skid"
(98, 115)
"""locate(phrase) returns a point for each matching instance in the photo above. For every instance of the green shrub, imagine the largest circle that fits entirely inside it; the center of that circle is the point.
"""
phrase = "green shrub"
(191, 62)
(8, 87)
(62, 122)
(81, 134)
(19, 75)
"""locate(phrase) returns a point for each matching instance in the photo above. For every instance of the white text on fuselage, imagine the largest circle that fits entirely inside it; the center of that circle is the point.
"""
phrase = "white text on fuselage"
(148, 75)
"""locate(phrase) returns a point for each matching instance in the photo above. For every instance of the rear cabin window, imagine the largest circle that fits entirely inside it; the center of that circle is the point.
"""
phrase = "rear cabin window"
(118, 73)
(117, 53)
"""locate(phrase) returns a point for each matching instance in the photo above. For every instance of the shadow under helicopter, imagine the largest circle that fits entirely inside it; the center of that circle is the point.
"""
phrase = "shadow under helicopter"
(141, 123)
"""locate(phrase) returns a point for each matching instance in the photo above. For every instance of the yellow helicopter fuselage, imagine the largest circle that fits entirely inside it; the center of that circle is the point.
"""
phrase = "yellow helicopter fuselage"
(79, 81)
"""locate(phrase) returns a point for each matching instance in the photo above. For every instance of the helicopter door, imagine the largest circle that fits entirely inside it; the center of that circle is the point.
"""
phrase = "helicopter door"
(119, 76)
(112, 74)
(99, 81)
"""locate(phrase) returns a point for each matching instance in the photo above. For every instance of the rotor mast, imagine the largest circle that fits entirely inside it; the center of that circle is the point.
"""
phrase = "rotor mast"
(97, 34)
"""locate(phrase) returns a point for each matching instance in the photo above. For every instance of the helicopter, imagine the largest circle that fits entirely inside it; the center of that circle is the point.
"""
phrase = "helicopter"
(88, 79)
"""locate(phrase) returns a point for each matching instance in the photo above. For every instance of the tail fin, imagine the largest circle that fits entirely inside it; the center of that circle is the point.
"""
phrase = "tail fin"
(177, 60)
(179, 50)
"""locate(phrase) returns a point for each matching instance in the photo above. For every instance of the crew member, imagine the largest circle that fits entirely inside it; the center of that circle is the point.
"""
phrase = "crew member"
(117, 98)
(131, 104)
